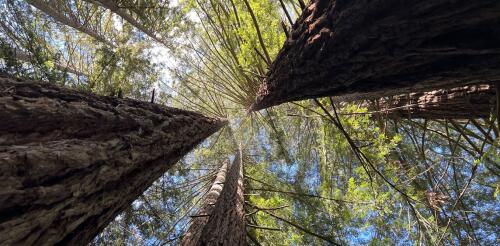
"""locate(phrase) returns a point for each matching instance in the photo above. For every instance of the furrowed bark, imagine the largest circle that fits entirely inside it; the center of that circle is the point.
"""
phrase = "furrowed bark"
(70, 161)
(380, 48)
(193, 234)
(226, 224)
(465, 102)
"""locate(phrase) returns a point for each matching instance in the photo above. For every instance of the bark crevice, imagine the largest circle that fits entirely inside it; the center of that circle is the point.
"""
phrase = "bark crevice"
(64, 176)
(384, 47)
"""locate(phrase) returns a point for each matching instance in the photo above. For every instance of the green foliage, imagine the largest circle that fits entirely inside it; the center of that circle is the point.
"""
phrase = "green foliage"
(317, 172)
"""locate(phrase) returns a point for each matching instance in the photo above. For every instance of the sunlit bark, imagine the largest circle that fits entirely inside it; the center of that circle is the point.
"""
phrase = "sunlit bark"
(193, 234)
(226, 224)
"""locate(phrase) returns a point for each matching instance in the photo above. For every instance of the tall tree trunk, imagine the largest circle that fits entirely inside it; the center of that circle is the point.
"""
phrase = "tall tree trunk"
(384, 47)
(465, 102)
(226, 224)
(70, 161)
(193, 234)
(26, 57)
(113, 6)
(52, 11)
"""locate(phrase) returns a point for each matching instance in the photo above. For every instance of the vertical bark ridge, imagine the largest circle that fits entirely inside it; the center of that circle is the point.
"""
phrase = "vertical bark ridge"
(226, 224)
(193, 234)
(383, 48)
(71, 161)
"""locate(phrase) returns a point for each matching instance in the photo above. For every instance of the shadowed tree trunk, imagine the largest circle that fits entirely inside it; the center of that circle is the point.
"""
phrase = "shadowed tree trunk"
(465, 102)
(226, 224)
(70, 161)
(379, 48)
(193, 234)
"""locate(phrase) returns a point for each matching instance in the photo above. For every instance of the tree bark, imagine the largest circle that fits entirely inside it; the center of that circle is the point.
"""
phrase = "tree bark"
(70, 161)
(193, 234)
(379, 48)
(226, 224)
(465, 102)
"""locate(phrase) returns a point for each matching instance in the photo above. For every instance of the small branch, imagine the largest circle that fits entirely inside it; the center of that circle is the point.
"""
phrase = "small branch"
(498, 105)
(263, 209)
(285, 29)
(200, 215)
(262, 56)
(283, 6)
(253, 239)
(308, 195)
(257, 29)
(325, 238)
(251, 213)
(276, 208)
(263, 228)
(302, 4)
(153, 96)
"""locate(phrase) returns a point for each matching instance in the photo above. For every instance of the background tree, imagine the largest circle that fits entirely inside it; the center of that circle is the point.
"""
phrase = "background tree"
(198, 222)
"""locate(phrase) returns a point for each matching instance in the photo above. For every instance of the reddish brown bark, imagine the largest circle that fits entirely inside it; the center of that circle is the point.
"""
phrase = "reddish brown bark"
(70, 161)
(465, 102)
(192, 236)
(379, 48)
(226, 224)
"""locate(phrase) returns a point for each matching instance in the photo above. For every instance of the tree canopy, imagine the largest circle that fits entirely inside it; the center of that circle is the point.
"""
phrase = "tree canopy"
(322, 171)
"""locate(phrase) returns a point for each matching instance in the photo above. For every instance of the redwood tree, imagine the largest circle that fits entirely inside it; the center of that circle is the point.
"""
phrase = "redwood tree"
(71, 161)
(56, 10)
(114, 6)
(199, 221)
(226, 224)
(384, 47)
(464, 102)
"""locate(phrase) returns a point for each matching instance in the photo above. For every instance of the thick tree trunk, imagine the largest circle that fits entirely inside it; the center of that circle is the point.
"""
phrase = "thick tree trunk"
(384, 47)
(465, 102)
(193, 234)
(70, 161)
(226, 224)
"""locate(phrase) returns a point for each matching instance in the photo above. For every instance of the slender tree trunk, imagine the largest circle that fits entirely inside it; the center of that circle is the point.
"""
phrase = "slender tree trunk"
(465, 102)
(113, 6)
(25, 57)
(226, 224)
(70, 161)
(384, 47)
(53, 12)
(193, 234)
